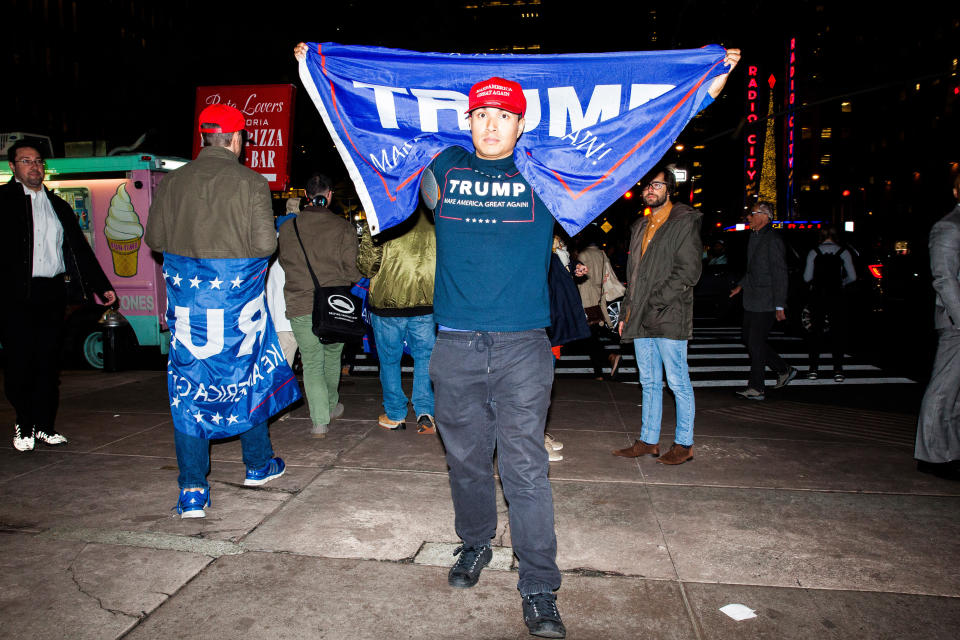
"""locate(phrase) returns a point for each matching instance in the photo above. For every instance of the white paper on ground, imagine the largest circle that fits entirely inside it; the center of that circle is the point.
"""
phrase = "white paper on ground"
(738, 612)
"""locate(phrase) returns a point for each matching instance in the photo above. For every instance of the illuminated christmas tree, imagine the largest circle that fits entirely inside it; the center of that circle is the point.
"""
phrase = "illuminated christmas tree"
(768, 174)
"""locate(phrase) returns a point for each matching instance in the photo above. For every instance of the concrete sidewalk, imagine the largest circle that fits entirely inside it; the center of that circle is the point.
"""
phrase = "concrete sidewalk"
(806, 508)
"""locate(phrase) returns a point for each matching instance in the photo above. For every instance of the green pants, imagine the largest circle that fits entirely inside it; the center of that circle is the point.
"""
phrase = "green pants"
(321, 369)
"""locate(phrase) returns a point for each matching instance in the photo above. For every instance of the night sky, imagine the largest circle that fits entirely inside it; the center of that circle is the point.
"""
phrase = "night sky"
(113, 70)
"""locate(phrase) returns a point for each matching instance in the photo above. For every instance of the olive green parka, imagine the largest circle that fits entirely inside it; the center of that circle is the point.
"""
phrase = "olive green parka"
(401, 269)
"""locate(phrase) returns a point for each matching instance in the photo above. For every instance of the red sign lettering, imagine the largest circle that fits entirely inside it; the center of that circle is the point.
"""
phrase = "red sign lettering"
(268, 109)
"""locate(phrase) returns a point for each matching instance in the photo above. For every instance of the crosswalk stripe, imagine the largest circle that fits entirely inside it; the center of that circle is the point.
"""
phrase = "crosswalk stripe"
(714, 359)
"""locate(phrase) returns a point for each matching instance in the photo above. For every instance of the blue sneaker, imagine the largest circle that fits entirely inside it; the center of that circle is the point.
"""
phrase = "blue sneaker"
(191, 503)
(273, 469)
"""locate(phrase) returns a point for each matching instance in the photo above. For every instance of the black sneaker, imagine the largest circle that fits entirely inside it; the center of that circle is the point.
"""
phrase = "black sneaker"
(784, 378)
(426, 424)
(542, 617)
(466, 571)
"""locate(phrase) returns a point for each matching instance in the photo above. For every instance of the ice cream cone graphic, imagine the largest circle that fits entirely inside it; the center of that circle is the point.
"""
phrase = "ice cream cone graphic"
(124, 233)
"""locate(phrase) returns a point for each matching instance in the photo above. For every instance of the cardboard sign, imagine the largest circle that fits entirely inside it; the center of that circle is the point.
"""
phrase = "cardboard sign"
(268, 109)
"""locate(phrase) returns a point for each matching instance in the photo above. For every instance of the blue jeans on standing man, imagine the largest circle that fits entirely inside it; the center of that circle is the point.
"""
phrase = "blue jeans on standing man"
(653, 356)
(389, 333)
(493, 392)
(193, 454)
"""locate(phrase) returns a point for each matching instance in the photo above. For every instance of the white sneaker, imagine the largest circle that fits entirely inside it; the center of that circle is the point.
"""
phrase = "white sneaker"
(22, 442)
(50, 437)
(552, 442)
(552, 454)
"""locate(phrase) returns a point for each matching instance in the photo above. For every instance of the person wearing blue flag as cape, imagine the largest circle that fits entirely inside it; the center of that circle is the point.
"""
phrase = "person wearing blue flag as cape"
(227, 374)
(491, 367)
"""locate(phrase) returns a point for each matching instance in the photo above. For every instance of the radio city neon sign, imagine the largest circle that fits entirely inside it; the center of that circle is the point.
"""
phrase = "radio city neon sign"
(751, 157)
(791, 98)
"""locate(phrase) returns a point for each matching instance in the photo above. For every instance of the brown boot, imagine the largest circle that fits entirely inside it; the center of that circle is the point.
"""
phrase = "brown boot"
(678, 454)
(637, 449)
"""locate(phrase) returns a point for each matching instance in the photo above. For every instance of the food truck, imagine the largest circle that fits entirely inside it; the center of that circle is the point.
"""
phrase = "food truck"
(111, 197)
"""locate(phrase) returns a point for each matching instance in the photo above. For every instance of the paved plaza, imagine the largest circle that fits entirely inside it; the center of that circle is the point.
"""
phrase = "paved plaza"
(806, 508)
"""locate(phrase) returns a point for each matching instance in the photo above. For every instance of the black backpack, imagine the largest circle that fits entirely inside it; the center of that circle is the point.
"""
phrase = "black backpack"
(828, 271)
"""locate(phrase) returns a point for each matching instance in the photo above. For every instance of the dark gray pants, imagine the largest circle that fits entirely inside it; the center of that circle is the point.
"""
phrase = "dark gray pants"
(492, 394)
(938, 429)
(756, 328)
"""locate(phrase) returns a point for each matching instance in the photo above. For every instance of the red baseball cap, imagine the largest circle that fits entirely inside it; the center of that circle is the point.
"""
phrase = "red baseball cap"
(499, 93)
(220, 118)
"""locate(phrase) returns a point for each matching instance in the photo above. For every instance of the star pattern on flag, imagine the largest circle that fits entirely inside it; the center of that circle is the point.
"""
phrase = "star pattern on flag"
(176, 280)
(204, 388)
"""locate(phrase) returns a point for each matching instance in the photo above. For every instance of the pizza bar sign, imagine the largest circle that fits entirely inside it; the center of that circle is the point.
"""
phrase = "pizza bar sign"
(268, 109)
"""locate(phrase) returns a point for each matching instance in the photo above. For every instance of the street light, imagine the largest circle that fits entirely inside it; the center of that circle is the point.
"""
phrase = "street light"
(815, 176)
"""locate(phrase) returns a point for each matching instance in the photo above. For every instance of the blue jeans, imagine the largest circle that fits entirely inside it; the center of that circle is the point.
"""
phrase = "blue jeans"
(493, 392)
(653, 355)
(420, 332)
(193, 454)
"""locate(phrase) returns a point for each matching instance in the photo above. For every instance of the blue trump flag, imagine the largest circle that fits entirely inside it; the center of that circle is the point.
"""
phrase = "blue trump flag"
(595, 122)
(226, 371)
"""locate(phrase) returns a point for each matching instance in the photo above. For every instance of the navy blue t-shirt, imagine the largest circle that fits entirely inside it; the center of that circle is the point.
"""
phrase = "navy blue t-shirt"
(494, 236)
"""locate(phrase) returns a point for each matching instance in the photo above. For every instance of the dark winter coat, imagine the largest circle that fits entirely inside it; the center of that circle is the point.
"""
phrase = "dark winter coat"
(84, 276)
(567, 321)
(765, 282)
(659, 299)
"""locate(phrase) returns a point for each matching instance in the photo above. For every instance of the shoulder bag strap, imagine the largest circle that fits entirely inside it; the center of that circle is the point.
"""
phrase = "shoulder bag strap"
(316, 283)
(603, 281)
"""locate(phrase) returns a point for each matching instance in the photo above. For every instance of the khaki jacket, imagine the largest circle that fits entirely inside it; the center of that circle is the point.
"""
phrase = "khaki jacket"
(331, 244)
(213, 207)
(601, 284)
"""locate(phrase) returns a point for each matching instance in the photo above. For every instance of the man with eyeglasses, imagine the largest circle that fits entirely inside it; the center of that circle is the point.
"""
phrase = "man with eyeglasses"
(663, 267)
(43, 253)
(764, 288)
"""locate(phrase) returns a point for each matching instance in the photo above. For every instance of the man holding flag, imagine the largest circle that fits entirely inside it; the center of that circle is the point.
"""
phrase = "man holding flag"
(213, 222)
(491, 367)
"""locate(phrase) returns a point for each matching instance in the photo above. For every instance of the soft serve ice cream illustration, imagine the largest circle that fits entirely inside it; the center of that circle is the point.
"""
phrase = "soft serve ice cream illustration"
(124, 233)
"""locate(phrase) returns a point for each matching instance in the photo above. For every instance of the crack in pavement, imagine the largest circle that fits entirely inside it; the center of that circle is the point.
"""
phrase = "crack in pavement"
(76, 581)
(168, 541)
